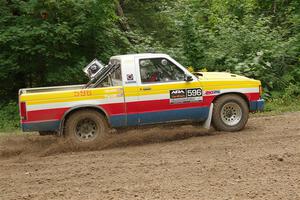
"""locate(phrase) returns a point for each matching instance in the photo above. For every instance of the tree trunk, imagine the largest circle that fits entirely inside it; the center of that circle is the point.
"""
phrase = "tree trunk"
(120, 12)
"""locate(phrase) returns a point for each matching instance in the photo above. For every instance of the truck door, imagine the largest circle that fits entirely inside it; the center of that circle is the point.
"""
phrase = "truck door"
(166, 95)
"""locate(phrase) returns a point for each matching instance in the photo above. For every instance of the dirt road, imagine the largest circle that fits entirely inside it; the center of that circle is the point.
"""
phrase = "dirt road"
(261, 162)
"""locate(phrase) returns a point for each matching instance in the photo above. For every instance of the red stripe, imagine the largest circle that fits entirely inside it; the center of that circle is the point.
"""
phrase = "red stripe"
(253, 96)
(114, 108)
(162, 105)
(131, 108)
(57, 113)
(47, 114)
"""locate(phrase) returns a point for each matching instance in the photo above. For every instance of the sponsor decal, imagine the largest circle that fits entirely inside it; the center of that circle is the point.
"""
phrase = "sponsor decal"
(82, 93)
(195, 92)
(212, 92)
(185, 95)
(181, 93)
(129, 77)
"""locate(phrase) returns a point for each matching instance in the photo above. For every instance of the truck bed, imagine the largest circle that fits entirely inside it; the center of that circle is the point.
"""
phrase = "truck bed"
(49, 89)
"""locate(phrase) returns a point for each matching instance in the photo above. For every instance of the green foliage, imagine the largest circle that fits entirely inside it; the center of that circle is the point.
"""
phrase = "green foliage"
(46, 42)
(9, 117)
(259, 39)
(279, 103)
(246, 44)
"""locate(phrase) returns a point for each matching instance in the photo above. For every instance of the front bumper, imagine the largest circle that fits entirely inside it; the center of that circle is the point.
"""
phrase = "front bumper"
(257, 105)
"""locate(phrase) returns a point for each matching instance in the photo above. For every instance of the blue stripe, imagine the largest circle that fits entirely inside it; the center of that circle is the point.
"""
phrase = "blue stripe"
(194, 114)
(41, 126)
(257, 105)
(117, 120)
(132, 120)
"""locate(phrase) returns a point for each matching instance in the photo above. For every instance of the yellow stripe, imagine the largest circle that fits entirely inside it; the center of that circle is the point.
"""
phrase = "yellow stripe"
(71, 95)
(219, 85)
(101, 93)
(59, 100)
(158, 88)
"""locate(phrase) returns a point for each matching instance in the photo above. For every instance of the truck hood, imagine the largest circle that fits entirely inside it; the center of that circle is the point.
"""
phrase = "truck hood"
(215, 76)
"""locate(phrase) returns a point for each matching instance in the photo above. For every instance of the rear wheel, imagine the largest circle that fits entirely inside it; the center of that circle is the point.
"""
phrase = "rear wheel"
(230, 113)
(86, 127)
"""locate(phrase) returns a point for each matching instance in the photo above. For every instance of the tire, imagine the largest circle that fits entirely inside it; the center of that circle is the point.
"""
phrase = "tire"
(230, 113)
(86, 128)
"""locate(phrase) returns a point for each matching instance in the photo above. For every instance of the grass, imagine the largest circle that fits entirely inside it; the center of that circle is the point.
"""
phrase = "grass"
(279, 106)
(6, 132)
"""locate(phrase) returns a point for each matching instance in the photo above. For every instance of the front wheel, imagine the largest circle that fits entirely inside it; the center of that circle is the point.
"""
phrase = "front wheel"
(230, 113)
(86, 127)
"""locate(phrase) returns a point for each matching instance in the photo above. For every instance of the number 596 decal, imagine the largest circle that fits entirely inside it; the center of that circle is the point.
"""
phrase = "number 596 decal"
(195, 92)
(185, 95)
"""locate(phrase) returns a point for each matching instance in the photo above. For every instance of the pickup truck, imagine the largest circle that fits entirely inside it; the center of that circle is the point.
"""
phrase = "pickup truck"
(136, 90)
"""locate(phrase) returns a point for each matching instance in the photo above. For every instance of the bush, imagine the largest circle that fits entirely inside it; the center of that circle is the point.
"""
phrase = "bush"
(9, 117)
(287, 101)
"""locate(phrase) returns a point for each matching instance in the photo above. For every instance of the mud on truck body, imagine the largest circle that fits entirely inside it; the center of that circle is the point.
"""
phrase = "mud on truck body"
(137, 90)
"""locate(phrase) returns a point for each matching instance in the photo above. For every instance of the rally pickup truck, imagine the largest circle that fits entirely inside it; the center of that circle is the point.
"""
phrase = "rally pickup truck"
(136, 90)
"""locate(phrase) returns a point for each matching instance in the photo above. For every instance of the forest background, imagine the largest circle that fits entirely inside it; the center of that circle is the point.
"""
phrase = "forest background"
(48, 42)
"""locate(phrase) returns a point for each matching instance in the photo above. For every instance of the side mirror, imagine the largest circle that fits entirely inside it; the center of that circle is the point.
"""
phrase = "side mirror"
(188, 78)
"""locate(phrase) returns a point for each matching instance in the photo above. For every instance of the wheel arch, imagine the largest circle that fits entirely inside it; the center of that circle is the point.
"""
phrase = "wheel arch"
(244, 96)
(72, 110)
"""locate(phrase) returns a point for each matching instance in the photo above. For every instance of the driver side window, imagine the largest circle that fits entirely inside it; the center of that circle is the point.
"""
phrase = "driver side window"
(159, 70)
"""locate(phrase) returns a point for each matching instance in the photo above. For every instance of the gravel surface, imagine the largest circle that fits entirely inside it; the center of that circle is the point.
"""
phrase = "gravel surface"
(187, 162)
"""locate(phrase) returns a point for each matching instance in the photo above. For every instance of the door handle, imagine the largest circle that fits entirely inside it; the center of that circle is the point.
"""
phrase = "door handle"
(146, 88)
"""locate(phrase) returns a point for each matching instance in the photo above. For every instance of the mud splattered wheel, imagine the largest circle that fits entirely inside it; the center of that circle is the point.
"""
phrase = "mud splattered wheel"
(86, 128)
(230, 113)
